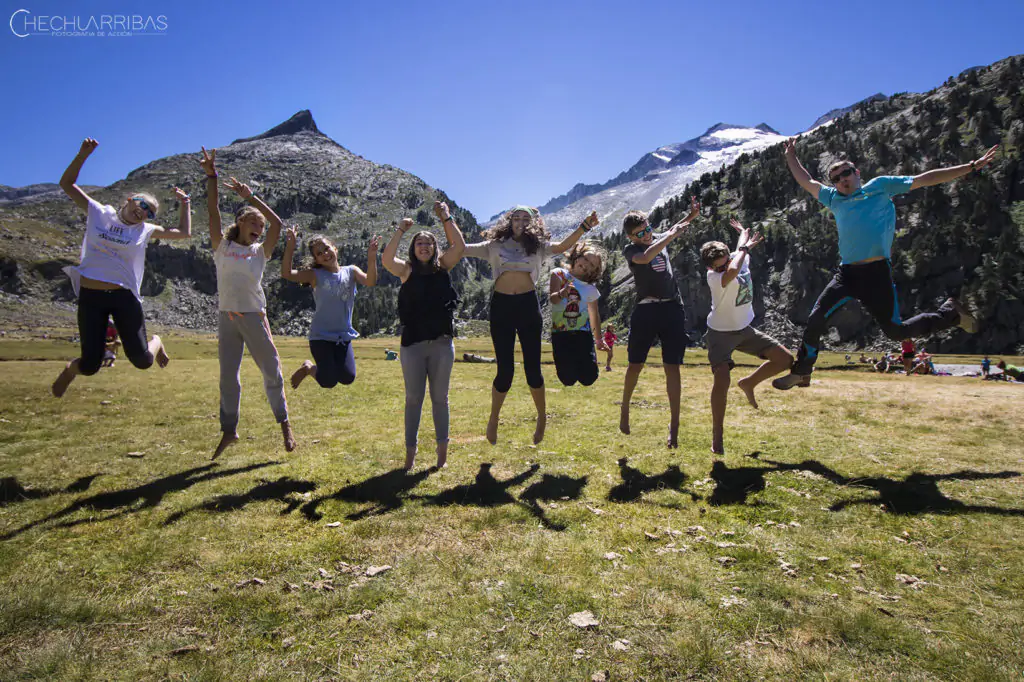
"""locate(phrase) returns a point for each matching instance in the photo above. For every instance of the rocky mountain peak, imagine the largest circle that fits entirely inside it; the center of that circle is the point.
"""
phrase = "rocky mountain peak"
(300, 122)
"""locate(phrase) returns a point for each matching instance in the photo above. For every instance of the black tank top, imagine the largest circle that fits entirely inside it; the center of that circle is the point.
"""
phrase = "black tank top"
(426, 307)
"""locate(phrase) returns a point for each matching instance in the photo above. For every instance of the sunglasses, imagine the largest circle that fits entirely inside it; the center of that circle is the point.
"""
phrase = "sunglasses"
(845, 173)
(644, 232)
(145, 207)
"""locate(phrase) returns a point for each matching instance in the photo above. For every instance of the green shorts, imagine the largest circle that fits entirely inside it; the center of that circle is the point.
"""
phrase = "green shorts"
(747, 340)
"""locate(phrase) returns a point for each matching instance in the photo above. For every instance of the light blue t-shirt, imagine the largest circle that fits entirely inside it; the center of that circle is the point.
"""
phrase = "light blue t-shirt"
(334, 294)
(571, 314)
(866, 218)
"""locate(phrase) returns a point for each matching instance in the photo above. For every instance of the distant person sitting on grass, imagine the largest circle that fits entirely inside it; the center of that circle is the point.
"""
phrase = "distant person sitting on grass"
(866, 221)
(240, 258)
(108, 279)
(1009, 371)
(334, 293)
(658, 315)
(729, 327)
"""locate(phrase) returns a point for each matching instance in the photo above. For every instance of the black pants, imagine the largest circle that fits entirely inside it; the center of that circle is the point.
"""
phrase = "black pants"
(872, 285)
(335, 362)
(95, 308)
(575, 358)
(512, 315)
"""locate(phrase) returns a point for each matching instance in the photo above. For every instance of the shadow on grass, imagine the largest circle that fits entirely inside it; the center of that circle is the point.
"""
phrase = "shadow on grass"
(551, 488)
(635, 484)
(11, 491)
(282, 490)
(131, 500)
(384, 493)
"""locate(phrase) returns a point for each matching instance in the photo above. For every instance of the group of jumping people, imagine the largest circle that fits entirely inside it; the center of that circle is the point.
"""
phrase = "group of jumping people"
(107, 283)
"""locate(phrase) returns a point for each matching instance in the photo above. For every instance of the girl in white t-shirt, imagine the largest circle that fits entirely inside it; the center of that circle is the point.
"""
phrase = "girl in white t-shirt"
(575, 320)
(242, 307)
(108, 280)
(515, 248)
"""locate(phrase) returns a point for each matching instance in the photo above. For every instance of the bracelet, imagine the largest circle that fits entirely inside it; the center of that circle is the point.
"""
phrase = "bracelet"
(211, 177)
(972, 167)
(585, 227)
(449, 218)
(744, 249)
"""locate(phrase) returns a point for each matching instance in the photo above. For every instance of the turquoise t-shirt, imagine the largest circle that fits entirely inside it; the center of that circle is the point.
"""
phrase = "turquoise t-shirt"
(867, 218)
(334, 296)
(570, 314)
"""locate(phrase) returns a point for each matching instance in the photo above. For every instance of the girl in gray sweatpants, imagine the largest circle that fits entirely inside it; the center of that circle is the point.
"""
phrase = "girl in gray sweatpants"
(426, 308)
(240, 259)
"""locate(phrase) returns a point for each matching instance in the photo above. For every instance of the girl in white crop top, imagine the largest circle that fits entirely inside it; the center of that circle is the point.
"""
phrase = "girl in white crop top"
(516, 247)
(108, 280)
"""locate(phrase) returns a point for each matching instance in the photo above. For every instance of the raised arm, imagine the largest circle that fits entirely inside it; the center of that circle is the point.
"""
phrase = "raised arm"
(396, 266)
(941, 175)
(659, 244)
(456, 242)
(273, 222)
(208, 164)
(297, 276)
(800, 174)
(746, 242)
(369, 278)
(558, 288)
(184, 229)
(588, 224)
(69, 181)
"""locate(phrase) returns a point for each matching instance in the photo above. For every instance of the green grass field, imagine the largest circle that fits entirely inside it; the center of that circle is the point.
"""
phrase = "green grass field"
(868, 527)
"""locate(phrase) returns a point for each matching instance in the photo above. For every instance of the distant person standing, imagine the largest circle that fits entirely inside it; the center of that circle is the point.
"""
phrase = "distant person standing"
(986, 367)
(610, 339)
(866, 220)
(907, 346)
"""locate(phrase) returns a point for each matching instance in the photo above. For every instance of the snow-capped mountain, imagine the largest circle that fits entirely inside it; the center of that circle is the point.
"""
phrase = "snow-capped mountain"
(836, 113)
(657, 177)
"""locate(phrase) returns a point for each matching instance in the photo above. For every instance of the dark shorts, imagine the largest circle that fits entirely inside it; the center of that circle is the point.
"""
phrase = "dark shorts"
(747, 340)
(664, 321)
(908, 355)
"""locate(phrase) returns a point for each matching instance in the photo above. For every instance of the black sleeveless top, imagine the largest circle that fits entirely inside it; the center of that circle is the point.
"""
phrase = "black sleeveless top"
(426, 307)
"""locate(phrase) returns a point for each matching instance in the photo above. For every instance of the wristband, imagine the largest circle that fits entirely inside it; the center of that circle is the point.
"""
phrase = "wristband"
(449, 218)
(745, 249)
(211, 177)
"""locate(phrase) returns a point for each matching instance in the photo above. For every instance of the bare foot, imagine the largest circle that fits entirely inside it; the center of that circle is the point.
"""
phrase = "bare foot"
(748, 391)
(673, 437)
(301, 373)
(410, 458)
(624, 420)
(538, 433)
(289, 437)
(492, 431)
(717, 447)
(442, 455)
(64, 380)
(162, 358)
(226, 441)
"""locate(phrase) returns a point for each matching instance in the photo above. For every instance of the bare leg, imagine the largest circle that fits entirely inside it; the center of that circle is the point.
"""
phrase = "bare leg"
(540, 402)
(628, 386)
(719, 397)
(673, 384)
(410, 457)
(778, 360)
(289, 437)
(226, 441)
(497, 400)
(156, 347)
(65, 378)
(442, 454)
(608, 365)
(308, 369)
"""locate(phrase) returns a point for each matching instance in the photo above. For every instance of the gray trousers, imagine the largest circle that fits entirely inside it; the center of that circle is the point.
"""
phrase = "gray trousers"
(421, 361)
(235, 331)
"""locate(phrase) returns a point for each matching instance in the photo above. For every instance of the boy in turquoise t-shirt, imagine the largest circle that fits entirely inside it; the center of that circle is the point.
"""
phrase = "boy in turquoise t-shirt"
(866, 220)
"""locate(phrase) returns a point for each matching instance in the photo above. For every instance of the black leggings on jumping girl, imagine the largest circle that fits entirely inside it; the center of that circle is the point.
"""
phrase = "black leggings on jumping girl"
(512, 315)
(95, 308)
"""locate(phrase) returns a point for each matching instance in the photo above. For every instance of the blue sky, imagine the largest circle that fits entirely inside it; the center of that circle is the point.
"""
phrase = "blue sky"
(496, 103)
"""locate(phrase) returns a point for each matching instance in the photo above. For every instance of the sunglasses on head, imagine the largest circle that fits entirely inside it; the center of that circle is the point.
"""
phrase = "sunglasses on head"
(640, 234)
(145, 207)
(846, 172)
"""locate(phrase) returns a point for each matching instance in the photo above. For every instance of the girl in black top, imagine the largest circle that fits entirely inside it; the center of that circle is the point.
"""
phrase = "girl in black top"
(426, 308)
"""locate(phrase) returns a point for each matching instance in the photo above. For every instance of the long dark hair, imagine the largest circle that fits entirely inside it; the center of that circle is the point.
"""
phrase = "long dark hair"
(534, 235)
(431, 266)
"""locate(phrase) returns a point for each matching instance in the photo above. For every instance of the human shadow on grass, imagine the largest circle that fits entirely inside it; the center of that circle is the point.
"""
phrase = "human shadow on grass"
(284, 490)
(733, 485)
(635, 484)
(551, 488)
(135, 499)
(11, 491)
(384, 493)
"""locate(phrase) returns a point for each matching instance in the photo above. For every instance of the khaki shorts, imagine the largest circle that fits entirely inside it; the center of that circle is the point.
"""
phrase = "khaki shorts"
(747, 340)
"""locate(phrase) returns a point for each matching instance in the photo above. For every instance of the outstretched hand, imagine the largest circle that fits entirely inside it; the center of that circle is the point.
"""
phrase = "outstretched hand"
(374, 242)
(239, 188)
(986, 158)
(789, 146)
(181, 194)
(591, 221)
(405, 224)
(291, 235)
(601, 345)
(694, 209)
(744, 232)
(207, 162)
(88, 146)
(441, 211)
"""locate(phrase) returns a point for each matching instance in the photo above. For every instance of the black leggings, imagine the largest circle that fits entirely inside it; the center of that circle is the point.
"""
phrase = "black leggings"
(335, 362)
(872, 285)
(575, 357)
(513, 314)
(95, 308)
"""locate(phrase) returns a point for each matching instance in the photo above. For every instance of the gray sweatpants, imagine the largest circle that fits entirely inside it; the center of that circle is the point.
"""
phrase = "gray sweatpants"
(421, 361)
(235, 331)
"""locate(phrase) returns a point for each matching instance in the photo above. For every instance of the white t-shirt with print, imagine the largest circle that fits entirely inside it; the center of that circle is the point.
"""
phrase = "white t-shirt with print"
(240, 277)
(111, 250)
(732, 306)
(571, 314)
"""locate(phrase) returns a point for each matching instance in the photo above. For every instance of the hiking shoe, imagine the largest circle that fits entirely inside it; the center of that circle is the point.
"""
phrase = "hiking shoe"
(967, 321)
(792, 379)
